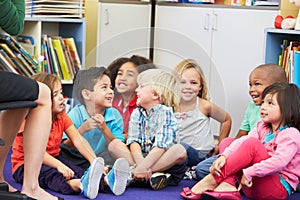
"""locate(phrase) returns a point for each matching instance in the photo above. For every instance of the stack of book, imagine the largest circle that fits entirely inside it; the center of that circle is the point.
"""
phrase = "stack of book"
(60, 57)
(290, 60)
(55, 8)
(14, 58)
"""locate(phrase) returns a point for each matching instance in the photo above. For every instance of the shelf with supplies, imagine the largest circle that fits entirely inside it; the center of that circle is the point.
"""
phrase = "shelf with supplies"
(283, 48)
(39, 28)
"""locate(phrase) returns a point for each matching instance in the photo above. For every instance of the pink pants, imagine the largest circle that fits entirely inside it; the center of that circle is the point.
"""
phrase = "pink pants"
(250, 152)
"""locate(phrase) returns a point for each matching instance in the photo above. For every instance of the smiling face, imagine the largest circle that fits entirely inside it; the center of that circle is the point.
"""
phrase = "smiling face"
(270, 111)
(57, 99)
(259, 79)
(102, 94)
(126, 80)
(190, 84)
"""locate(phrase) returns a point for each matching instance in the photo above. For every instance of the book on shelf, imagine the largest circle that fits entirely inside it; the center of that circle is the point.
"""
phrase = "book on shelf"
(70, 43)
(16, 47)
(294, 46)
(288, 59)
(6, 63)
(55, 8)
(19, 63)
(57, 45)
(27, 42)
(54, 59)
(297, 68)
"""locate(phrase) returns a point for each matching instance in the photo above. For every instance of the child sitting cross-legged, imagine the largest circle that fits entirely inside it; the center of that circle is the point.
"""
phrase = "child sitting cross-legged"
(265, 161)
(58, 174)
(152, 147)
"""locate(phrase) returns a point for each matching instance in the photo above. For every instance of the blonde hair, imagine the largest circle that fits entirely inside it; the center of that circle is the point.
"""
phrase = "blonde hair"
(164, 84)
(190, 63)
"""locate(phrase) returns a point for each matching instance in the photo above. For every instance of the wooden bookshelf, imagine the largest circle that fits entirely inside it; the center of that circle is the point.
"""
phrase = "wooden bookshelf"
(64, 27)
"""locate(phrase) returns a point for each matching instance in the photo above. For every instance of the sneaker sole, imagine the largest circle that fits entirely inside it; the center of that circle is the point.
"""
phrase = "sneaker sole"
(159, 182)
(94, 178)
(121, 171)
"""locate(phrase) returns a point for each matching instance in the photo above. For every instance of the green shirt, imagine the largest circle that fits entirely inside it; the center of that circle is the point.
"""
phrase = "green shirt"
(12, 16)
(252, 116)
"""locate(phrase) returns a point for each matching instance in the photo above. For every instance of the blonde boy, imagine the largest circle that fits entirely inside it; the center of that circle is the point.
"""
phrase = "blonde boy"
(152, 144)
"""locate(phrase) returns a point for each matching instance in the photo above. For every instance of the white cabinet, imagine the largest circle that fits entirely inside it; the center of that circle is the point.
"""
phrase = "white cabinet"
(227, 43)
(123, 30)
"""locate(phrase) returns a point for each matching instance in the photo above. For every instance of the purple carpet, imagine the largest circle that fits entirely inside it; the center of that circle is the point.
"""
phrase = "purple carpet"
(168, 193)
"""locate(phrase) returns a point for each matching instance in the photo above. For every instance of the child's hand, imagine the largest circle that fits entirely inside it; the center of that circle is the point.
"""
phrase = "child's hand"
(100, 121)
(142, 174)
(215, 150)
(244, 182)
(217, 165)
(90, 124)
(66, 171)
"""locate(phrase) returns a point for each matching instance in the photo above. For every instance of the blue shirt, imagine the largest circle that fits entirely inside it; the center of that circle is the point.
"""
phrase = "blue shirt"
(95, 137)
(157, 129)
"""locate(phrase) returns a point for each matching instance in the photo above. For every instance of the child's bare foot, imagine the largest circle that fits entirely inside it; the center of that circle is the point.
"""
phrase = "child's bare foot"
(40, 194)
(11, 188)
(225, 187)
(207, 183)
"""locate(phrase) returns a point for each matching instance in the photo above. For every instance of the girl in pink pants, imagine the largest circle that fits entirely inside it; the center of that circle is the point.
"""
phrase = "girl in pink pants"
(265, 161)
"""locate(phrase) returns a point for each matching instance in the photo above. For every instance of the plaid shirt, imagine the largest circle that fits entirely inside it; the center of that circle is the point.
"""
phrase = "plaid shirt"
(157, 129)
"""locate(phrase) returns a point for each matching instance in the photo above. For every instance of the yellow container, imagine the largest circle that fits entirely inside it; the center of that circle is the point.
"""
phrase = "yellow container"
(287, 8)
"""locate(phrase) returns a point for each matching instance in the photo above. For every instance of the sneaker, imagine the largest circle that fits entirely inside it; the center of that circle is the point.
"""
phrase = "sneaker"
(130, 175)
(91, 178)
(190, 174)
(159, 180)
(117, 177)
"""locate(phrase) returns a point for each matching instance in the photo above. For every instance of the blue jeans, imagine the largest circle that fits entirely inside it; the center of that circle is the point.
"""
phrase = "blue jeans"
(194, 156)
(202, 168)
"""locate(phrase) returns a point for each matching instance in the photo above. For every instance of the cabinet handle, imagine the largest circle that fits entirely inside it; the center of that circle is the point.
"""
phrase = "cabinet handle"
(107, 16)
(206, 22)
(215, 22)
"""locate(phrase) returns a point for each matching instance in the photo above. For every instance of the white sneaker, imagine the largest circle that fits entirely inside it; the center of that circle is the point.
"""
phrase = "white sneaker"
(118, 176)
(91, 179)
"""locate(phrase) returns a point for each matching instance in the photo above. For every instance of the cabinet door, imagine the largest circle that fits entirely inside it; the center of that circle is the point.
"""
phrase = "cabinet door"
(180, 33)
(123, 30)
(237, 48)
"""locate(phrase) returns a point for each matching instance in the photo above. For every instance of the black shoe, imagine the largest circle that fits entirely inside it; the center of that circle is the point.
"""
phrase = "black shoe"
(159, 180)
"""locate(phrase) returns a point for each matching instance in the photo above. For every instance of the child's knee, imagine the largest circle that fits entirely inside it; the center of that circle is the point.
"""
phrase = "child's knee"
(114, 144)
(181, 152)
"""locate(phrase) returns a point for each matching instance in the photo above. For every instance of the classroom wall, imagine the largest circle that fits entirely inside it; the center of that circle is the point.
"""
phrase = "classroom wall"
(91, 15)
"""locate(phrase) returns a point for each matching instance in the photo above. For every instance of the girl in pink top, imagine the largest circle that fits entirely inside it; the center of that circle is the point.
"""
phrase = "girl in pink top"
(265, 161)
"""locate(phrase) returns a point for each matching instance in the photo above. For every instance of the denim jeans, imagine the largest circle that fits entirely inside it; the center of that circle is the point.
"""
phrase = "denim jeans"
(202, 169)
(194, 156)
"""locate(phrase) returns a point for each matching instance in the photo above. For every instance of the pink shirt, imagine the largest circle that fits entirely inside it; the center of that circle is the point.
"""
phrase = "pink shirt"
(284, 151)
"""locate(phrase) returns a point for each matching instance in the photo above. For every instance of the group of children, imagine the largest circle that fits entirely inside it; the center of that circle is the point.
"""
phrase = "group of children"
(155, 121)
(155, 124)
